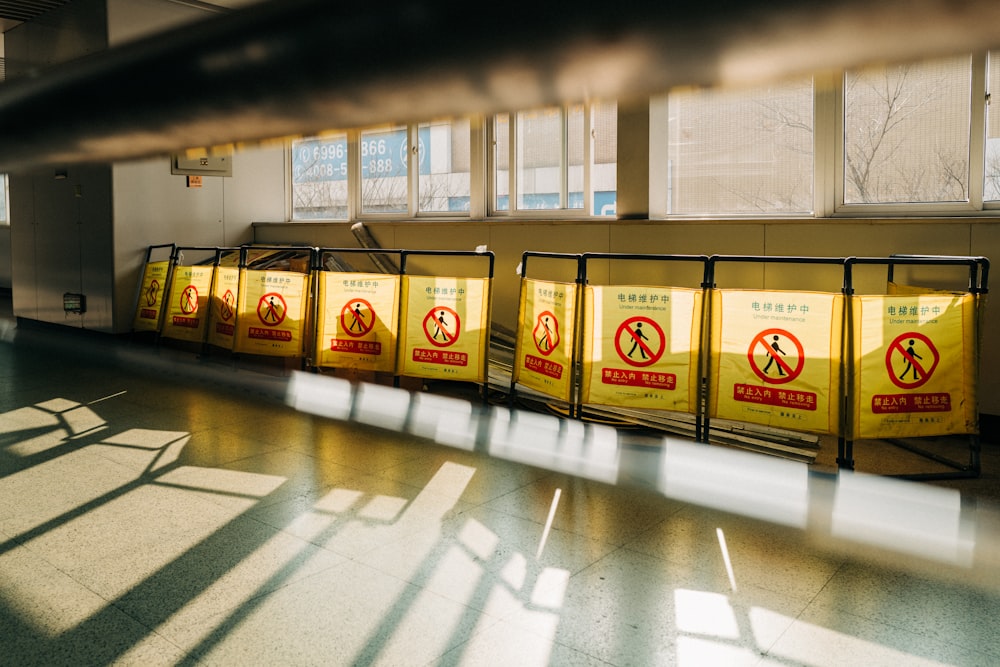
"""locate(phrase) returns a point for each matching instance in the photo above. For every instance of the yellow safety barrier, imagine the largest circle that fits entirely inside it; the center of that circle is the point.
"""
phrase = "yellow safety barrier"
(272, 312)
(915, 364)
(641, 347)
(186, 311)
(356, 321)
(152, 289)
(444, 328)
(543, 356)
(776, 358)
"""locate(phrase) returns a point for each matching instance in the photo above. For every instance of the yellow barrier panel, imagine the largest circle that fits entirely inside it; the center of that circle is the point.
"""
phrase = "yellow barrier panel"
(272, 313)
(357, 321)
(189, 290)
(776, 358)
(444, 328)
(915, 365)
(641, 347)
(544, 350)
(154, 285)
(222, 319)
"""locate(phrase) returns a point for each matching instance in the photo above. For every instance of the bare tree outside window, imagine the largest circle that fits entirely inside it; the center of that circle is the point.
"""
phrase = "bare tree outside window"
(906, 133)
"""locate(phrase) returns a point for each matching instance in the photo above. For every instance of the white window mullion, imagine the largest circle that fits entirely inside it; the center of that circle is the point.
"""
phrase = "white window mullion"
(977, 129)
(827, 131)
(353, 174)
(564, 158)
(513, 163)
(479, 167)
(588, 159)
(412, 169)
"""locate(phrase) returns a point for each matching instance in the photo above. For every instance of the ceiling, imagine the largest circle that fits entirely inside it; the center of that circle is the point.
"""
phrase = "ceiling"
(15, 12)
(294, 67)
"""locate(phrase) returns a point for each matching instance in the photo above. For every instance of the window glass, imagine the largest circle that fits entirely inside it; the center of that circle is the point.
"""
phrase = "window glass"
(384, 187)
(549, 145)
(319, 178)
(741, 151)
(906, 132)
(3, 199)
(604, 167)
(991, 176)
(444, 157)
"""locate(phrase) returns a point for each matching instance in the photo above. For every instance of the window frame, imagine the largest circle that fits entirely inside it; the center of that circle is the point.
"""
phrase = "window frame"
(977, 141)
(561, 213)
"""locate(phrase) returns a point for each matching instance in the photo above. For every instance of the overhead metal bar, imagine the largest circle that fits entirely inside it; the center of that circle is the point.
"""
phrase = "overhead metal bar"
(291, 67)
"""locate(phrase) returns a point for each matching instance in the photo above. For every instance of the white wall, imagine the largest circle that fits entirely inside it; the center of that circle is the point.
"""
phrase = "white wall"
(153, 207)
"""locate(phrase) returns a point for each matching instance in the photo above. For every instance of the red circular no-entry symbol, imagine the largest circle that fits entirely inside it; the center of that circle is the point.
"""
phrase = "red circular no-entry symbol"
(357, 317)
(442, 326)
(546, 333)
(152, 291)
(784, 353)
(911, 359)
(645, 348)
(271, 309)
(189, 300)
(226, 307)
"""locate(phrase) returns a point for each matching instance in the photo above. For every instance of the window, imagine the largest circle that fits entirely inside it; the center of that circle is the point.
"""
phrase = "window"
(906, 133)
(384, 168)
(444, 155)
(319, 178)
(735, 152)
(886, 140)
(440, 159)
(564, 159)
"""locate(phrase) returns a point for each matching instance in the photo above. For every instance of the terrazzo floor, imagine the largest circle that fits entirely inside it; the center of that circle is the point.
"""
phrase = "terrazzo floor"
(157, 509)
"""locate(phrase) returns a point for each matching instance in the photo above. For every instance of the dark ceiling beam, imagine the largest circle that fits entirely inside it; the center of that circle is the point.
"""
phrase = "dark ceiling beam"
(25, 10)
(288, 67)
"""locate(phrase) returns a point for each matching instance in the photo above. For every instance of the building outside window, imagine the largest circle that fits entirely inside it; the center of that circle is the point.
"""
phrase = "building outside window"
(320, 178)
(563, 160)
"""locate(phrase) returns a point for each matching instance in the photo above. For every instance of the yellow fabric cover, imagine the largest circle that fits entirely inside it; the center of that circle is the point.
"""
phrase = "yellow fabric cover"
(546, 328)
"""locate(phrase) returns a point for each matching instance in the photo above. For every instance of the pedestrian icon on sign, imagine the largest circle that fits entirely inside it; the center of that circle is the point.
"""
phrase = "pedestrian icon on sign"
(440, 327)
(910, 355)
(359, 320)
(189, 300)
(772, 358)
(151, 292)
(546, 333)
(545, 342)
(637, 336)
(271, 314)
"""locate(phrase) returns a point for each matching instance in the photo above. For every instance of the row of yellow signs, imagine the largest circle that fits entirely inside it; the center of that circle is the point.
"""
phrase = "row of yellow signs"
(443, 326)
(774, 357)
